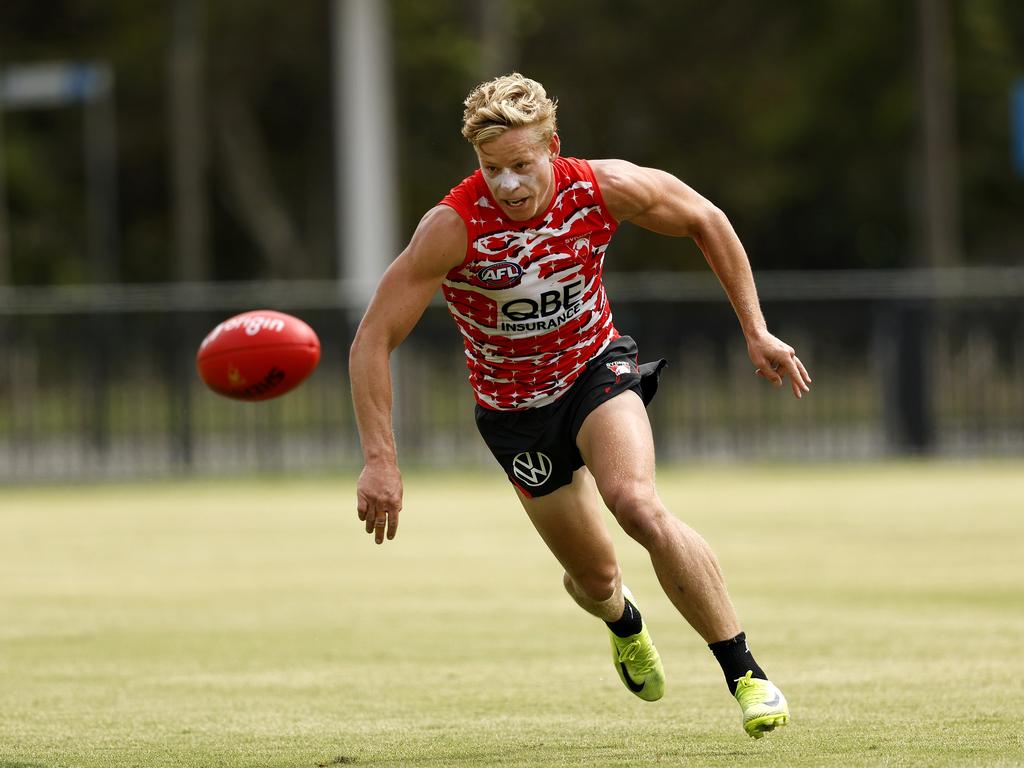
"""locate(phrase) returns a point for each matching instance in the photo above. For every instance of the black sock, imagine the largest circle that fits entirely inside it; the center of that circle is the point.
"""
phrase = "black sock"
(629, 623)
(736, 660)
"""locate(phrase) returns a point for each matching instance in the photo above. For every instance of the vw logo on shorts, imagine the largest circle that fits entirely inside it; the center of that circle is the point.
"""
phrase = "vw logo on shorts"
(532, 468)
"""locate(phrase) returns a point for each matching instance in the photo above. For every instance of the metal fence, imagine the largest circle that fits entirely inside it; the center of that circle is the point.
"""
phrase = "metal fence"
(99, 381)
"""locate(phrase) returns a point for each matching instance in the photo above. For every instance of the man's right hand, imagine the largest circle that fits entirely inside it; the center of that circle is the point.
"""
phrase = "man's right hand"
(404, 292)
(379, 499)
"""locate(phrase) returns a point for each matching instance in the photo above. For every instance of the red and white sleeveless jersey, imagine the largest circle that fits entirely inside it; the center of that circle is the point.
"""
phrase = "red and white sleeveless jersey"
(529, 297)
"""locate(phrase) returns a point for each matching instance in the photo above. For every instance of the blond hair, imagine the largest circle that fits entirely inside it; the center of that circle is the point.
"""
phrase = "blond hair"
(509, 101)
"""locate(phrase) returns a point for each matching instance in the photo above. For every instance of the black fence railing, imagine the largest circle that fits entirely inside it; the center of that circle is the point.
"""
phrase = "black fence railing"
(99, 381)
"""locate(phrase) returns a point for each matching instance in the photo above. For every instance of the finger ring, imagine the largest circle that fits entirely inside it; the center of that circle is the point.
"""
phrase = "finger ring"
(380, 522)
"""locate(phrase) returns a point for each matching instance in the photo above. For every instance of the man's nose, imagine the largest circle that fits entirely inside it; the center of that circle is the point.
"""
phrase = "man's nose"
(508, 181)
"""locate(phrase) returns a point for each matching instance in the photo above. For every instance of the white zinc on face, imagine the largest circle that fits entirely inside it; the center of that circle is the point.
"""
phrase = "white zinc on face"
(518, 171)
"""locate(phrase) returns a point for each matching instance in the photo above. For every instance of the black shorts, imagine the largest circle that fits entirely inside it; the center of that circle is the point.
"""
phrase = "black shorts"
(537, 447)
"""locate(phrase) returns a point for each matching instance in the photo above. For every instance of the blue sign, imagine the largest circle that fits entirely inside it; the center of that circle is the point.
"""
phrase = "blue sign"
(1017, 125)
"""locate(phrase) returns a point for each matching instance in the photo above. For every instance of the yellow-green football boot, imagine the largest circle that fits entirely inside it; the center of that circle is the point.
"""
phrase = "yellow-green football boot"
(637, 661)
(764, 707)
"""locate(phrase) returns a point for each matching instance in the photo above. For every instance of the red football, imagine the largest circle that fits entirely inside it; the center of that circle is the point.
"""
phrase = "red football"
(258, 355)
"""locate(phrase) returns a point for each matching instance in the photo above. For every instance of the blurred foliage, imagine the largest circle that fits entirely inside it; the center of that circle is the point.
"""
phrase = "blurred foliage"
(801, 121)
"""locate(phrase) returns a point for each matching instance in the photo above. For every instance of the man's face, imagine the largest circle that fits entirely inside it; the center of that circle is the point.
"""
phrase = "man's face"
(518, 171)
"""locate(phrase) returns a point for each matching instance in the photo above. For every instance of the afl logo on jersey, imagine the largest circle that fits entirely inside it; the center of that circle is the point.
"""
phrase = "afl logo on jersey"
(504, 274)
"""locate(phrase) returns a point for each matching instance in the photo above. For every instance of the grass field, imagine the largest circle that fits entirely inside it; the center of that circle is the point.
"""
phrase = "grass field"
(255, 624)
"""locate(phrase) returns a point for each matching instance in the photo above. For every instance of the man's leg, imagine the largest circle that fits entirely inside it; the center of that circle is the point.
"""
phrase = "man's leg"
(618, 447)
(616, 443)
(571, 523)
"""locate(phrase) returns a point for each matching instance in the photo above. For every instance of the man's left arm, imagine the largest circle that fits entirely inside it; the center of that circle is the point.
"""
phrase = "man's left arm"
(660, 202)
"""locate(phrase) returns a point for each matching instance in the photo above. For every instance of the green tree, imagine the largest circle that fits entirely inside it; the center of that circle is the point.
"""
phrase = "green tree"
(800, 120)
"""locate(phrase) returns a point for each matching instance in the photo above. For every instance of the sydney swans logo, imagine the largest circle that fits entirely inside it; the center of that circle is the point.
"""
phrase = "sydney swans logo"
(532, 468)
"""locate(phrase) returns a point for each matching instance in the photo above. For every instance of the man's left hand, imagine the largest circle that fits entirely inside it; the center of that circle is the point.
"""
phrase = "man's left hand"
(774, 359)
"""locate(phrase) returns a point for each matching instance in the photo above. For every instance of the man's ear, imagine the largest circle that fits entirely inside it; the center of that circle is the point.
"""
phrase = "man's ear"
(554, 146)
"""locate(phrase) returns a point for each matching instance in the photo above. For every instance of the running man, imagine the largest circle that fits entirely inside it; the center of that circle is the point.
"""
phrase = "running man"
(518, 250)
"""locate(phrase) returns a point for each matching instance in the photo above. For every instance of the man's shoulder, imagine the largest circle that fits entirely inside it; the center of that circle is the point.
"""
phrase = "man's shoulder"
(622, 183)
(612, 170)
(443, 221)
(439, 242)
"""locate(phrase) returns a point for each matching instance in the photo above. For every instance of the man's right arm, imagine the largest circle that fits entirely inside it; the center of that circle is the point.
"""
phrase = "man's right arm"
(405, 290)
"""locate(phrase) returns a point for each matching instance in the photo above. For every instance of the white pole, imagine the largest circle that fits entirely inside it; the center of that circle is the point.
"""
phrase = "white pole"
(364, 133)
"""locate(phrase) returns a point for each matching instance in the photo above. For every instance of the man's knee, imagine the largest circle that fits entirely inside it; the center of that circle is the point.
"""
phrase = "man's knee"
(640, 513)
(597, 582)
